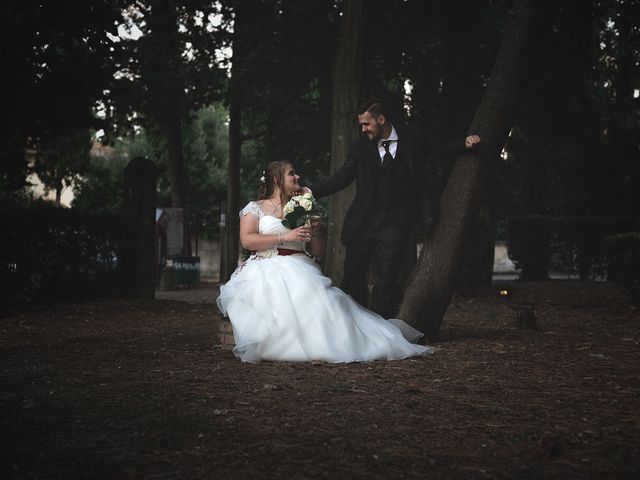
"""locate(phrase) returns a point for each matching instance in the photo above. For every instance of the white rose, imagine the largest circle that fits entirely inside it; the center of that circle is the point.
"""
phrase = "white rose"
(288, 208)
(308, 195)
(306, 204)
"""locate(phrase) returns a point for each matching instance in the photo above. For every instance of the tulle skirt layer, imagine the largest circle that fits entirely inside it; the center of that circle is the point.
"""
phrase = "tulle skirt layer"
(283, 308)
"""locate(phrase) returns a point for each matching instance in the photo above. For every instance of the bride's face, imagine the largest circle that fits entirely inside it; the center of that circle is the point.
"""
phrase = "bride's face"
(291, 178)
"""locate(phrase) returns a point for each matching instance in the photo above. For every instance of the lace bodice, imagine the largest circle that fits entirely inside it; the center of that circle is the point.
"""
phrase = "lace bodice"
(252, 208)
(269, 225)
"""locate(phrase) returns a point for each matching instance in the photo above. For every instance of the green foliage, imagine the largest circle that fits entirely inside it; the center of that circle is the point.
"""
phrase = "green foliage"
(101, 188)
(206, 146)
(170, 69)
(13, 170)
(59, 61)
(571, 245)
(573, 151)
(51, 253)
(62, 157)
(206, 151)
(284, 75)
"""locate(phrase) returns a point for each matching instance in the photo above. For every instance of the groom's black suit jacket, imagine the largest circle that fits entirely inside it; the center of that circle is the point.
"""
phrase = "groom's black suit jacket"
(414, 187)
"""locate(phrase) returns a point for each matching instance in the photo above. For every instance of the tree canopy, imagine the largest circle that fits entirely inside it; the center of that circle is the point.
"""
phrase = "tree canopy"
(158, 66)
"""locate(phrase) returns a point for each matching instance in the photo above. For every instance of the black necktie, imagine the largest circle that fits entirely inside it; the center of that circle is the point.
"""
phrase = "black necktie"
(386, 159)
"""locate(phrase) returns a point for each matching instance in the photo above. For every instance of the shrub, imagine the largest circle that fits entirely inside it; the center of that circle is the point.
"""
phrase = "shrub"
(567, 245)
(622, 261)
(528, 245)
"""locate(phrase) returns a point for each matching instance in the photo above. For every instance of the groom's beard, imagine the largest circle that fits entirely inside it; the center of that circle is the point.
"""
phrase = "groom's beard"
(370, 137)
(374, 137)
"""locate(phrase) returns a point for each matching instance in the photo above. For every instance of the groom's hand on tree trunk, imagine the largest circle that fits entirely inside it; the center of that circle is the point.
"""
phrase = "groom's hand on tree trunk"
(471, 141)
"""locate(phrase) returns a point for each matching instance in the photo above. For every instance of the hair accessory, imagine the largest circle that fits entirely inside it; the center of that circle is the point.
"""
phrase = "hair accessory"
(263, 178)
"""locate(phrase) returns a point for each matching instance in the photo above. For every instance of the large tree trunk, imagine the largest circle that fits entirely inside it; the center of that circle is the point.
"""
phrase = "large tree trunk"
(175, 156)
(58, 192)
(426, 300)
(177, 175)
(166, 98)
(230, 234)
(346, 76)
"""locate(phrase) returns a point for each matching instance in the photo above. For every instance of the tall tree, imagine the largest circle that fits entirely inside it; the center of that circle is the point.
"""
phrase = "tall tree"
(229, 251)
(17, 95)
(346, 75)
(167, 72)
(433, 282)
(621, 50)
(564, 120)
(161, 60)
(62, 156)
(282, 72)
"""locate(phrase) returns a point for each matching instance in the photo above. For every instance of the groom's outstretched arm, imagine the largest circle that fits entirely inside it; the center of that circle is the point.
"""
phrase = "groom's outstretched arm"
(438, 158)
(444, 154)
(338, 181)
(457, 146)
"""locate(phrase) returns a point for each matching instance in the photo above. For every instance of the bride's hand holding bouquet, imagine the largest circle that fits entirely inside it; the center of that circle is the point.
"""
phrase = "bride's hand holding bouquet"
(302, 209)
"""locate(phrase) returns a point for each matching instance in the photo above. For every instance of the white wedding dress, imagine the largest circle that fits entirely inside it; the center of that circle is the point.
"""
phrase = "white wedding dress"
(283, 308)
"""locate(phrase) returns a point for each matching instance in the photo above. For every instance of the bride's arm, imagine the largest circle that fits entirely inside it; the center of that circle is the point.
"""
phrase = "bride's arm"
(251, 239)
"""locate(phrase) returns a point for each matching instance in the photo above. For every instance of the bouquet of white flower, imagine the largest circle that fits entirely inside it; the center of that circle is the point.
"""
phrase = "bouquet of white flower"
(299, 209)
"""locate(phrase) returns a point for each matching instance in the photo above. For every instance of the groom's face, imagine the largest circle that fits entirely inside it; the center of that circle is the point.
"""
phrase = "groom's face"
(371, 125)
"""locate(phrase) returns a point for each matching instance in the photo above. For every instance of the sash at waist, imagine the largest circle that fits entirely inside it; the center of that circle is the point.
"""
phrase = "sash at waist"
(288, 251)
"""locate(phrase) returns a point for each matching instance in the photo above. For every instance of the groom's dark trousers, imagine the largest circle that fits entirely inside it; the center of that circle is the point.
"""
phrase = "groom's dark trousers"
(382, 250)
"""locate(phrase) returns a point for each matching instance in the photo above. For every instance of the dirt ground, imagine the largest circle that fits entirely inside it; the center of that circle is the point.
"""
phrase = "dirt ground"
(141, 389)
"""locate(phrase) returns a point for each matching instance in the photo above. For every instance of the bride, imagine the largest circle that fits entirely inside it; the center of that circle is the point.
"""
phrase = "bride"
(280, 305)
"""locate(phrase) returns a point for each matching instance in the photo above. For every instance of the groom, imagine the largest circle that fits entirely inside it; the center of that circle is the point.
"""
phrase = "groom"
(390, 167)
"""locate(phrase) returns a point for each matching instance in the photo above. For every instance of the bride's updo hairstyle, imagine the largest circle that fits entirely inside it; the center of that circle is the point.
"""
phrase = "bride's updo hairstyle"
(272, 177)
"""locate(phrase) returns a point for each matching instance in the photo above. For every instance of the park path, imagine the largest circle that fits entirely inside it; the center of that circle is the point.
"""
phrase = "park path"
(205, 291)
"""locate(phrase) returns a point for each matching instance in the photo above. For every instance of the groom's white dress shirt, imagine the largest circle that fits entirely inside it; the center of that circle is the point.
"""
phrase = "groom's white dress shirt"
(393, 146)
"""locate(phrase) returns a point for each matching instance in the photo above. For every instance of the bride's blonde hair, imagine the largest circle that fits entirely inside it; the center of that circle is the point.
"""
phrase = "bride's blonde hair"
(272, 178)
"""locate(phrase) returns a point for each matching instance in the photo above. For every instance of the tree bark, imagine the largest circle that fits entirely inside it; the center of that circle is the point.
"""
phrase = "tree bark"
(58, 192)
(429, 293)
(346, 77)
(230, 234)
(177, 174)
(165, 85)
(175, 156)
